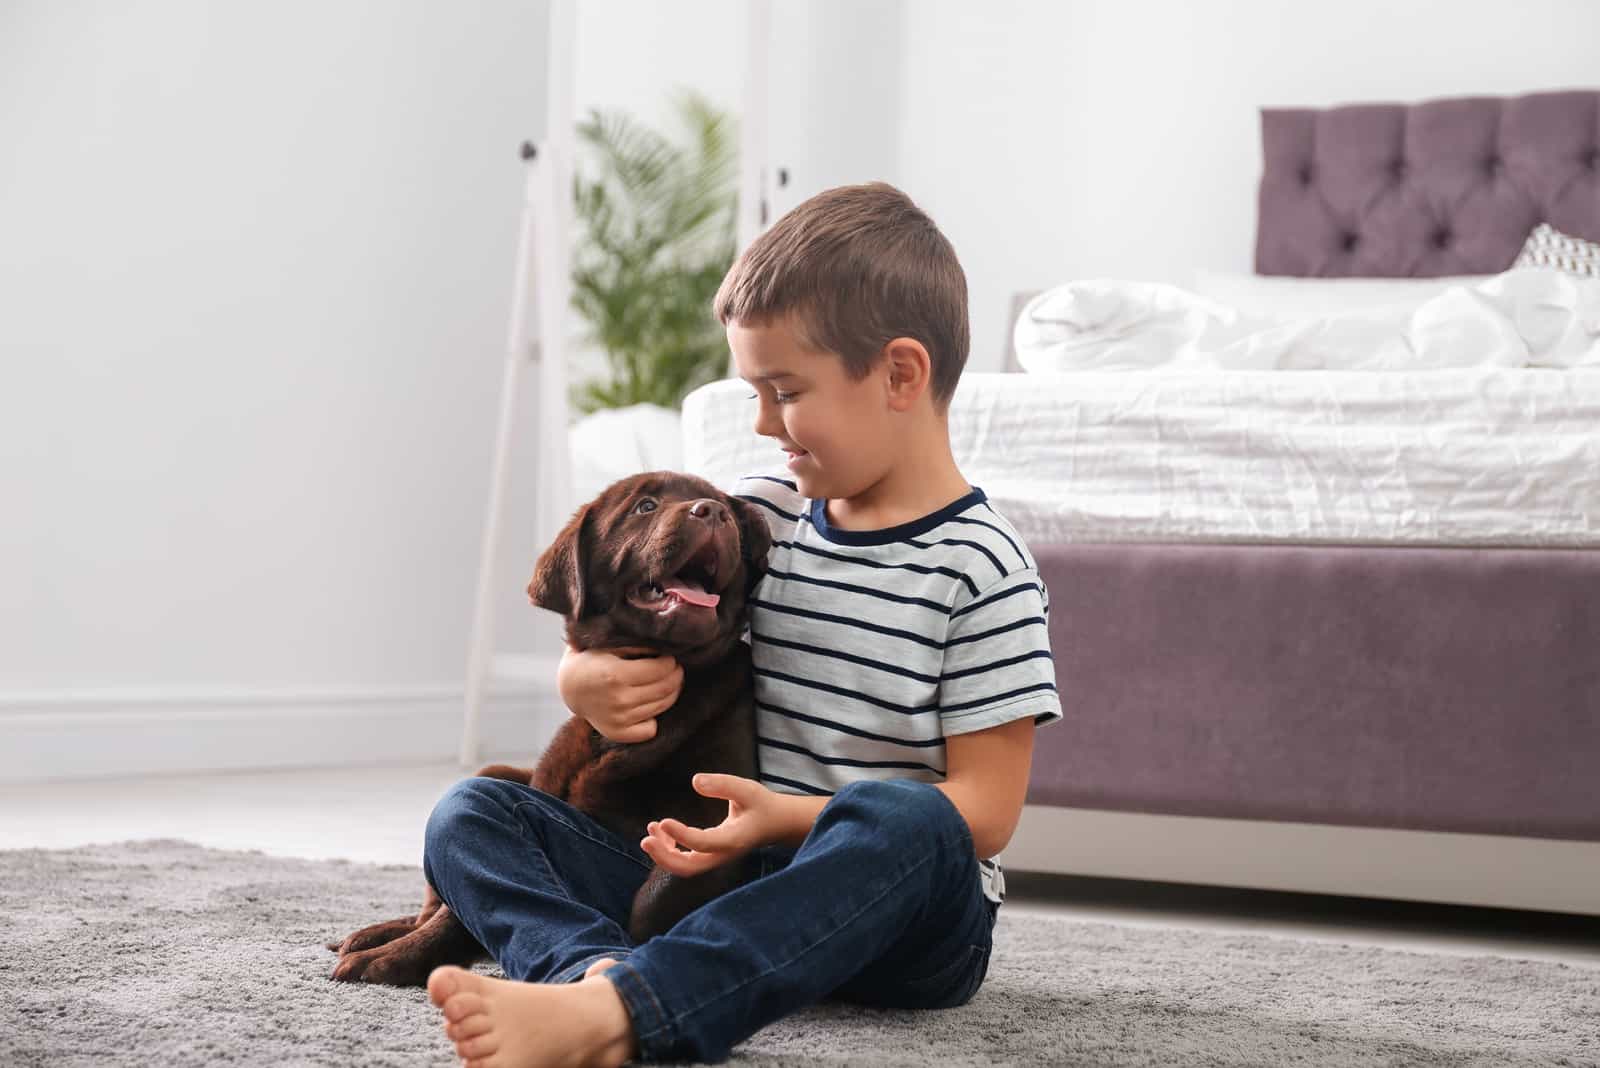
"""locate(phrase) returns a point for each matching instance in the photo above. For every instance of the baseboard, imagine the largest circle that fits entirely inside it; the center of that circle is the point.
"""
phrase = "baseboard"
(1460, 869)
(90, 734)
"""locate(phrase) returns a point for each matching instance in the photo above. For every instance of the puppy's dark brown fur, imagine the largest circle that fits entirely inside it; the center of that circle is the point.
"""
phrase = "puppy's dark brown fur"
(630, 572)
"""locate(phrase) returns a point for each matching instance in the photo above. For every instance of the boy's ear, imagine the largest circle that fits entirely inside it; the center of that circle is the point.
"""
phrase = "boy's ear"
(559, 576)
(910, 371)
(755, 540)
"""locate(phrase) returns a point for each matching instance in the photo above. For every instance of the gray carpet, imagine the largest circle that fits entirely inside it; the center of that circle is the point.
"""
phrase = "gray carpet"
(166, 953)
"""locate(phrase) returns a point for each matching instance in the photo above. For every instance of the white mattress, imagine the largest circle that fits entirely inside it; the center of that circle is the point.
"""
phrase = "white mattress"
(1480, 456)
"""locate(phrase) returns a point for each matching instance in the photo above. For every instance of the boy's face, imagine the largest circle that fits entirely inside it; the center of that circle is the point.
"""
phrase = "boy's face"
(836, 431)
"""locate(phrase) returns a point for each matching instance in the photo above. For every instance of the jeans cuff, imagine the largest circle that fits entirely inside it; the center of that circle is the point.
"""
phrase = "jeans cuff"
(573, 973)
(651, 1024)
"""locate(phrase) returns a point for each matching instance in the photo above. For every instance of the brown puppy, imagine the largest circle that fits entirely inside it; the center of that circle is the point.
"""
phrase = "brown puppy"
(662, 562)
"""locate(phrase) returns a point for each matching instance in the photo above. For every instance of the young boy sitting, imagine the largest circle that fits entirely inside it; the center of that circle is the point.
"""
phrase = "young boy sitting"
(902, 663)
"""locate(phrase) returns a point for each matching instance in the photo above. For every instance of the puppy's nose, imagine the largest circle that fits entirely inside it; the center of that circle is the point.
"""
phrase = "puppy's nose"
(715, 511)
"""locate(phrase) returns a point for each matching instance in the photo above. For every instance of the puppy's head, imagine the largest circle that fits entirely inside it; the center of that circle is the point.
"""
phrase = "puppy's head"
(661, 560)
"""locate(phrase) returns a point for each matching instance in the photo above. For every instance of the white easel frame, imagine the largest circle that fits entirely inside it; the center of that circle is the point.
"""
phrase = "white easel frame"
(537, 335)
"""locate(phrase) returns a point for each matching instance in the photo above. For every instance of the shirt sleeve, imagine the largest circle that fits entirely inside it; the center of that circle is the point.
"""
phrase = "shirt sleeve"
(777, 498)
(997, 661)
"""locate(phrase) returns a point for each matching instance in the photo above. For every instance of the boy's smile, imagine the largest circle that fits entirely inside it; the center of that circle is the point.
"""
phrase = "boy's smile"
(834, 430)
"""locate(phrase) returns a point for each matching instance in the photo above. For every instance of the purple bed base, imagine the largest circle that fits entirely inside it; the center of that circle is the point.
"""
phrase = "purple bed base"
(1418, 688)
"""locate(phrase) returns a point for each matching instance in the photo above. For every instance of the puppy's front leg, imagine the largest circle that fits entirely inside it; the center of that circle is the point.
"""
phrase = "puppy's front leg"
(664, 898)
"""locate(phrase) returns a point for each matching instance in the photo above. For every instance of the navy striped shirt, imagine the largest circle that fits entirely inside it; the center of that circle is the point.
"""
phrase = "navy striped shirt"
(872, 647)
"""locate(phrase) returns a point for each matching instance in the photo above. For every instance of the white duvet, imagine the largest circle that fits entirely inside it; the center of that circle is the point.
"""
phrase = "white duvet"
(1480, 456)
(1525, 318)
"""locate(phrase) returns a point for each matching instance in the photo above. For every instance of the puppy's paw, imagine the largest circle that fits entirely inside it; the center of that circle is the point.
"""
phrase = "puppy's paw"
(382, 966)
(377, 934)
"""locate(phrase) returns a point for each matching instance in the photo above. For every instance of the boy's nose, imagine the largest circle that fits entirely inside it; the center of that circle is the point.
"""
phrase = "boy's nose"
(768, 425)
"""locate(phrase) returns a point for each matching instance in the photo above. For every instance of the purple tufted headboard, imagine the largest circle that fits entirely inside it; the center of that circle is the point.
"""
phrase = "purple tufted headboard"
(1444, 187)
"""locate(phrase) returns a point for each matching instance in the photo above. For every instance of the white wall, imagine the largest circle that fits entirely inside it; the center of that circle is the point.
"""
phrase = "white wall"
(1054, 140)
(255, 272)
(836, 84)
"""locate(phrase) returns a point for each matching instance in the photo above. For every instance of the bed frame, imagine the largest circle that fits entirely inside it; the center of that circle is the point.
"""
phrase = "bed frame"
(1414, 723)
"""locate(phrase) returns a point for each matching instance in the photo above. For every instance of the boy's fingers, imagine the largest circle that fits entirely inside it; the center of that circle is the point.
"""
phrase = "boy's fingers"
(666, 690)
(676, 862)
(662, 705)
(727, 787)
(698, 863)
(665, 843)
(643, 715)
(647, 672)
(660, 844)
(693, 837)
(635, 732)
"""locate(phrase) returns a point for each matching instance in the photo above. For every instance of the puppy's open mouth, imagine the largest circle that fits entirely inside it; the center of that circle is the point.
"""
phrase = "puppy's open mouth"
(690, 586)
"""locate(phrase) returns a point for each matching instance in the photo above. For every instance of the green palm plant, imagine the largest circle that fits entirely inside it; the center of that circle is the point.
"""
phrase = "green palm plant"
(655, 240)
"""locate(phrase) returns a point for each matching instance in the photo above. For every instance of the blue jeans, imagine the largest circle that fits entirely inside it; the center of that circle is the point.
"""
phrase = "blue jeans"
(880, 906)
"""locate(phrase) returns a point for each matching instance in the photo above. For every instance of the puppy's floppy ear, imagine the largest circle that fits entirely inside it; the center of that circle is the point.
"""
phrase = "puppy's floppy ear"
(561, 574)
(755, 539)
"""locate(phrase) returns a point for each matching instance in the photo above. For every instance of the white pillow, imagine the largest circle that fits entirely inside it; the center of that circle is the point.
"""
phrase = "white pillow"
(1549, 247)
(616, 442)
(1284, 298)
(1106, 324)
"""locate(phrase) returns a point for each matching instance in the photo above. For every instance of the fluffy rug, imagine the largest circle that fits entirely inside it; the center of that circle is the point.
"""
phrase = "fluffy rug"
(166, 953)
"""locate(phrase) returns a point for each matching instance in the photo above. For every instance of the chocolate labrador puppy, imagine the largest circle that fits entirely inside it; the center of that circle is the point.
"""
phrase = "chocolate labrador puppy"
(662, 562)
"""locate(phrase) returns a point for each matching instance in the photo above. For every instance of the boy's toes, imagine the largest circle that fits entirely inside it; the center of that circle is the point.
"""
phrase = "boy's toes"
(445, 982)
(471, 1027)
(475, 1048)
(598, 966)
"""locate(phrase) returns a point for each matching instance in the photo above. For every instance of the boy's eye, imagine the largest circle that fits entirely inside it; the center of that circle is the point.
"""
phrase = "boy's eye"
(644, 507)
(782, 398)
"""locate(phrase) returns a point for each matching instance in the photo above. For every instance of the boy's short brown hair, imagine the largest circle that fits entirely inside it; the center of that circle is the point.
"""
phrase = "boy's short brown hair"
(858, 266)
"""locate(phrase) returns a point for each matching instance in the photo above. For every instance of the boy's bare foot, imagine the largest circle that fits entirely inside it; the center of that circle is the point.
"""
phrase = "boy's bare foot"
(598, 966)
(498, 1023)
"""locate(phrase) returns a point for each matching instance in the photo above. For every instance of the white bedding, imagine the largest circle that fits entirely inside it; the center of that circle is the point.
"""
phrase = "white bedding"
(1523, 318)
(1479, 456)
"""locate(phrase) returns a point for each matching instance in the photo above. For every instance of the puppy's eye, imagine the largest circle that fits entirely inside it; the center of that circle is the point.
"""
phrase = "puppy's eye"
(645, 506)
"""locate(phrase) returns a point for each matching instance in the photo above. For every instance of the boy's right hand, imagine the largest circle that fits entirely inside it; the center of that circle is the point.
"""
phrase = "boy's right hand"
(619, 696)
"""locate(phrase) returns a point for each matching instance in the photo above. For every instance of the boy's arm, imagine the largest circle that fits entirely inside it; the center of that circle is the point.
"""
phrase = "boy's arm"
(986, 779)
(997, 684)
(798, 813)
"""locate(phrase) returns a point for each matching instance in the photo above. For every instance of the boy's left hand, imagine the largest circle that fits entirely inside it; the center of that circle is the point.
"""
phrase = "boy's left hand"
(754, 819)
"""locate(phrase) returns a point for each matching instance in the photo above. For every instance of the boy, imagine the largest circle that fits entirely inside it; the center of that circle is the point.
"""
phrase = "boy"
(901, 662)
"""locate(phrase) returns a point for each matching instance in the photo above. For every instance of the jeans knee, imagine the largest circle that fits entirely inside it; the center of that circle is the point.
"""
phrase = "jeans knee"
(906, 808)
(464, 801)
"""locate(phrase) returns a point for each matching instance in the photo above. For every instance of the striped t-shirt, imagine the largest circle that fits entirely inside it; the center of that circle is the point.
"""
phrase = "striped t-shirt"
(872, 646)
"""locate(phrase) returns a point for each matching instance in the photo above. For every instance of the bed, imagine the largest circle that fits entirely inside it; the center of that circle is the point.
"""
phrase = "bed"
(1320, 630)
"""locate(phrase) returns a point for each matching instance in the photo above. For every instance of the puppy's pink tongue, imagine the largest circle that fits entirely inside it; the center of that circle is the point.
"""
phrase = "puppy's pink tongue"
(692, 593)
